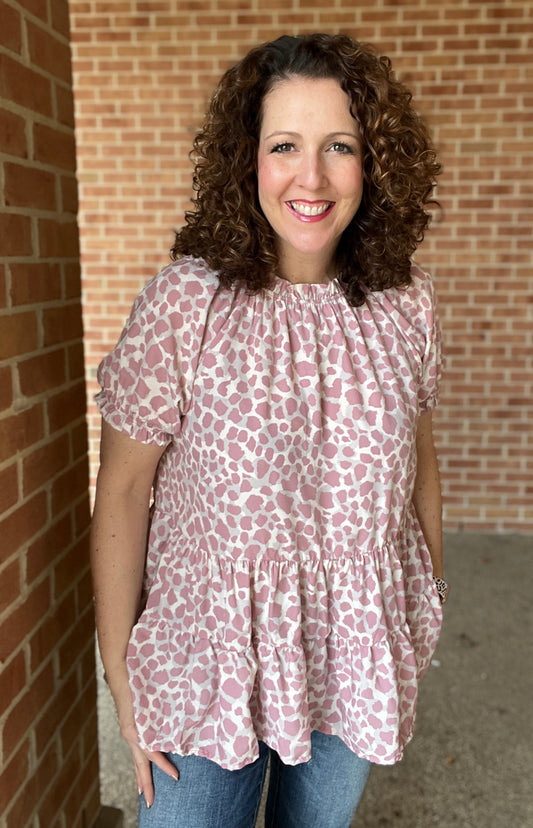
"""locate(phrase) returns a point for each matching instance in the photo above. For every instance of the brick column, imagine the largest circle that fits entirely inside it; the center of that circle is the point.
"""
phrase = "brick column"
(48, 733)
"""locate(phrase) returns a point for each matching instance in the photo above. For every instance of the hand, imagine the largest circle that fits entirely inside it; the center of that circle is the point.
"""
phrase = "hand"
(142, 760)
(117, 680)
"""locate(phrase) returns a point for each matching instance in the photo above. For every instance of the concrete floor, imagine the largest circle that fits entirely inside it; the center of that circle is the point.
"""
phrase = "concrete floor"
(470, 764)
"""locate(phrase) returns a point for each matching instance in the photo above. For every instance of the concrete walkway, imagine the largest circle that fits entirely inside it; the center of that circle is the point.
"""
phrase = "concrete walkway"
(470, 764)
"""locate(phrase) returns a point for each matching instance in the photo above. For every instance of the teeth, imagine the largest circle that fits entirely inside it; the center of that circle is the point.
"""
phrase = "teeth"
(310, 209)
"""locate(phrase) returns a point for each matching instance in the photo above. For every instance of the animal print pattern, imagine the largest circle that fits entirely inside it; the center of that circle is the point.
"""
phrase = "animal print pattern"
(288, 584)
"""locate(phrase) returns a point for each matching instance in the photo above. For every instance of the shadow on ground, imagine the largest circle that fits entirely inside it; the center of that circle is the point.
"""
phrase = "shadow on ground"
(470, 764)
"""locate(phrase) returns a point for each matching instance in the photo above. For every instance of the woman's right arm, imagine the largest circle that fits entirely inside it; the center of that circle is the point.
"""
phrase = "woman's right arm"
(118, 548)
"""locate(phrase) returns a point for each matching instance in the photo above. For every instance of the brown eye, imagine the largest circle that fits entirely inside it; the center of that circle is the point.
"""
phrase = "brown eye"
(343, 149)
(285, 146)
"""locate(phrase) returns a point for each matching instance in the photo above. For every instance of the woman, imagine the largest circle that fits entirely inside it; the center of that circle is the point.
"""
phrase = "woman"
(275, 386)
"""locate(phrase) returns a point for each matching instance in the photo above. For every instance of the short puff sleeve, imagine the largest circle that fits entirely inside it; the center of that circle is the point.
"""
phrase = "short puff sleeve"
(146, 381)
(432, 357)
(414, 312)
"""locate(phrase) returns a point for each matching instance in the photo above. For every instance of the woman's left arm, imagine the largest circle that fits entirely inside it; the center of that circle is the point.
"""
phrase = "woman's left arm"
(427, 492)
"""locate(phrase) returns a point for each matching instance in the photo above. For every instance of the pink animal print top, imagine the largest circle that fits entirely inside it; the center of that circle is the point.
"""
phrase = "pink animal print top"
(289, 587)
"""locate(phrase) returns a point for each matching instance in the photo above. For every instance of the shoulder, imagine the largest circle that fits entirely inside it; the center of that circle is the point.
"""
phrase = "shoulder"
(182, 284)
(417, 299)
(175, 303)
(421, 288)
(412, 311)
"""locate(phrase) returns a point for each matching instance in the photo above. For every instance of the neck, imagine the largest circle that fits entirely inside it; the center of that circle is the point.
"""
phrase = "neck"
(307, 270)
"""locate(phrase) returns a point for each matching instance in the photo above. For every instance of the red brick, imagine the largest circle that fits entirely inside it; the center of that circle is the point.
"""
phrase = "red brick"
(77, 716)
(52, 804)
(46, 638)
(48, 768)
(18, 334)
(54, 147)
(15, 232)
(73, 563)
(21, 810)
(44, 463)
(44, 372)
(12, 681)
(69, 194)
(13, 777)
(83, 804)
(30, 706)
(75, 359)
(72, 278)
(82, 516)
(65, 106)
(6, 388)
(46, 182)
(36, 7)
(62, 324)
(20, 84)
(48, 52)
(88, 675)
(153, 6)
(70, 485)
(10, 592)
(20, 431)
(65, 699)
(25, 618)
(10, 26)
(35, 282)
(78, 440)
(61, 18)
(66, 407)
(22, 525)
(13, 139)
(84, 589)
(58, 239)
(57, 537)
(8, 487)
(29, 187)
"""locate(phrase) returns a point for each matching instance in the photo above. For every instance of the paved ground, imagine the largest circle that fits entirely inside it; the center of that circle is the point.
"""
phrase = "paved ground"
(470, 764)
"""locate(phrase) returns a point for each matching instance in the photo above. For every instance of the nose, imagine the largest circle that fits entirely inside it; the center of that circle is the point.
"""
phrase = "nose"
(312, 171)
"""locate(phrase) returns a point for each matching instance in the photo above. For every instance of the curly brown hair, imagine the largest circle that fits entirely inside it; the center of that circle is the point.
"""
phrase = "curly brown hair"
(227, 227)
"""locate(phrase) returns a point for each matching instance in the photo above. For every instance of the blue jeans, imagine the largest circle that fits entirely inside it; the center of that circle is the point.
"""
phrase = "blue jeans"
(321, 793)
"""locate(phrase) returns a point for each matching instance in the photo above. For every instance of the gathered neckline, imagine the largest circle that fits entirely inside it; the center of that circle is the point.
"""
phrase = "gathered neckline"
(314, 291)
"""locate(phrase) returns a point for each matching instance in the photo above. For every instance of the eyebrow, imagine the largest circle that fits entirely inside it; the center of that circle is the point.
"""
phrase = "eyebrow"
(297, 134)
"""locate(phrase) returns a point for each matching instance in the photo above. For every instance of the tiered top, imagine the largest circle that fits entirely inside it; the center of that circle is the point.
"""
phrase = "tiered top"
(289, 584)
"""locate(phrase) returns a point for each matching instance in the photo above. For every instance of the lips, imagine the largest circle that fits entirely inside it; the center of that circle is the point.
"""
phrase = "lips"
(308, 209)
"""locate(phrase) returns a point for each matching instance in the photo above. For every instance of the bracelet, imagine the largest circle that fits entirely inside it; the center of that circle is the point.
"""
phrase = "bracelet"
(442, 588)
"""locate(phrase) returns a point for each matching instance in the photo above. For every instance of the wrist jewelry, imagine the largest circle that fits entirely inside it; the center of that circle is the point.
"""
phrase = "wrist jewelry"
(442, 588)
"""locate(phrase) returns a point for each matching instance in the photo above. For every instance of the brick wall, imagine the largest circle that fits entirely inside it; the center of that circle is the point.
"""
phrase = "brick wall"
(143, 74)
(48, 741)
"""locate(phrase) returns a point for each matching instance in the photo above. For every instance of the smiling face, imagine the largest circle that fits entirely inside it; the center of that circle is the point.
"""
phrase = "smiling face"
(309, 171)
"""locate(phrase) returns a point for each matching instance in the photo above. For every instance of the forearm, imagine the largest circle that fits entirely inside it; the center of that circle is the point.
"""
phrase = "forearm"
(118, 549)
(427, 503)
(427, 498)
(118, 541)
